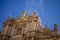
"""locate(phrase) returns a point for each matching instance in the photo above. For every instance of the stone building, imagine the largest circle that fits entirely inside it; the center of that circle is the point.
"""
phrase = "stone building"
(27, 27)
(0, 35)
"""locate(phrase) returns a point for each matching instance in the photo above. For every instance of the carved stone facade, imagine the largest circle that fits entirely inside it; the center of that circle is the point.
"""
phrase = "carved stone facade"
(27, 27)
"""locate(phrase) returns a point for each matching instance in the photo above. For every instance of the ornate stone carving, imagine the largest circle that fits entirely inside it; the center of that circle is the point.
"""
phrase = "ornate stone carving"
(27, 27)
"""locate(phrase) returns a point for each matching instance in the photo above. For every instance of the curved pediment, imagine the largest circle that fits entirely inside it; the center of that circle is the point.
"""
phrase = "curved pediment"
(21, 19)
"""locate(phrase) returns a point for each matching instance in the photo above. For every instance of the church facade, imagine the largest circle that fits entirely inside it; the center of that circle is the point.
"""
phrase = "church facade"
(27, 27)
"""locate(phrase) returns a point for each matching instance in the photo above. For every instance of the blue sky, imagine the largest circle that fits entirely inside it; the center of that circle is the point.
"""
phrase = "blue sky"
(47, 10)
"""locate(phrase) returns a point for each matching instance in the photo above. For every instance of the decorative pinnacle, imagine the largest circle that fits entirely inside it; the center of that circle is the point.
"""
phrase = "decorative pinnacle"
(9, 17)
(55, 24)
(46, 26)
(24, 13)
(35, 13)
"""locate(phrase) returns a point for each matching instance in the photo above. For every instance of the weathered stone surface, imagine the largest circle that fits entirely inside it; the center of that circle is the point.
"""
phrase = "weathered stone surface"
(27, 27)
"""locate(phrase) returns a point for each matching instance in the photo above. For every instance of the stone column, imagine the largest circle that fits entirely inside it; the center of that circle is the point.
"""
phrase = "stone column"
(16, 29)
(32, 38)
(27, 39)
(13, 30)
(5, 29)
(23, 30)
(9, 30)
(55, 38)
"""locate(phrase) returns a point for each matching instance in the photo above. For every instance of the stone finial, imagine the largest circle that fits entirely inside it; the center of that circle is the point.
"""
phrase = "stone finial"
(55, 25)
(9, 17)
(35, 13)
(46, 27)
(55, 28)
(24, 13)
